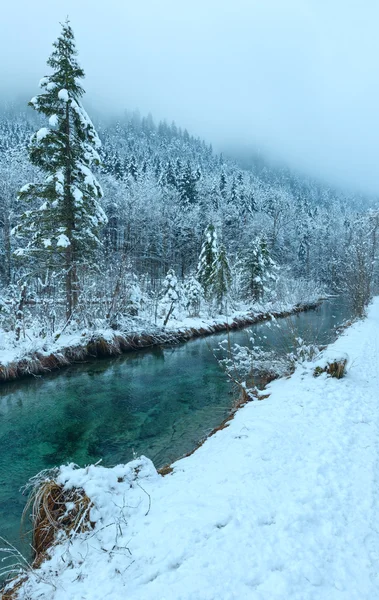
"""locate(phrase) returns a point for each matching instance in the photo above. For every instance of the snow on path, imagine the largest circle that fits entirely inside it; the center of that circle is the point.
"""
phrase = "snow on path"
(282, 504)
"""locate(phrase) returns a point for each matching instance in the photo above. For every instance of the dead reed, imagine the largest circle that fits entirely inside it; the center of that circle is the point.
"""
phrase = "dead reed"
(53, 511)
(335, 368)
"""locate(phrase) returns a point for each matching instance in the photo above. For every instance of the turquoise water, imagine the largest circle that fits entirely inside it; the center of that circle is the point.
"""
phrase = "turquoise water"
(159, 403)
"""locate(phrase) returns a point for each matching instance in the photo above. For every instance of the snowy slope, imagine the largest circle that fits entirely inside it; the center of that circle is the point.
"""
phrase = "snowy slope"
(282, 504)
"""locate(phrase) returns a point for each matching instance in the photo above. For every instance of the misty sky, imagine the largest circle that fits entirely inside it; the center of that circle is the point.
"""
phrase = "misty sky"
(295, 78)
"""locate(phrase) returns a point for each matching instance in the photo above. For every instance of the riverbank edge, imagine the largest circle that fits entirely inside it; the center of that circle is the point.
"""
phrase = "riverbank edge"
(116, 343)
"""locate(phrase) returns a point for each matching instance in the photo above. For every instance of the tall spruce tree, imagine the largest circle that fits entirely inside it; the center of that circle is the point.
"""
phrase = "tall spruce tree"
(64, 229)
(221, 277)
(207, 258)
(258, 269)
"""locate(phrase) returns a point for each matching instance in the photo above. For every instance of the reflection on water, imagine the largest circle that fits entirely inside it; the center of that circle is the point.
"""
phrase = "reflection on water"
(159, 403)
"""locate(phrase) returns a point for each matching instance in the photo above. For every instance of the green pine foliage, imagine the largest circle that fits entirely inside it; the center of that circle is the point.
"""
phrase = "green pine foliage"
(221, 277)
(258, 269)
(62, 226)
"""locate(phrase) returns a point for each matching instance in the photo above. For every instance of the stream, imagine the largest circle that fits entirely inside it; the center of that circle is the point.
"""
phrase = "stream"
(158, 402)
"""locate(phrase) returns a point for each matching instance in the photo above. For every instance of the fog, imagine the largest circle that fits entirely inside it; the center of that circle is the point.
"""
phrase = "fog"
(295, 79)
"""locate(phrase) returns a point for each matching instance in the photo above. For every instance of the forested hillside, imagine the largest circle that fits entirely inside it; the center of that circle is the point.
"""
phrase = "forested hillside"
(162, 189)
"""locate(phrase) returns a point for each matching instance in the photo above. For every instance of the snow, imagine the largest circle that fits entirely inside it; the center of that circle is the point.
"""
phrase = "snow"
(90, 180)
(78, 195)
(87, 124)
(63, 241)
(19, 252)
(53, 120)
(282, 504)
(63, 95)
(59, 182)
(25, 188)
(43, 82)
(42, 133)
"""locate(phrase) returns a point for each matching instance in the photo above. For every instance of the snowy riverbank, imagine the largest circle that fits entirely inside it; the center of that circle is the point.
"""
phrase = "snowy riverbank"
(36, 355)
(281, 504)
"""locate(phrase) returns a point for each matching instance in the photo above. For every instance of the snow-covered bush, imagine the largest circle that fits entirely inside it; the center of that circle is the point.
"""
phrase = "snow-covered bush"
(289, 291)
(332, 364)
(192, 294)
(251, 364)
(169, 296)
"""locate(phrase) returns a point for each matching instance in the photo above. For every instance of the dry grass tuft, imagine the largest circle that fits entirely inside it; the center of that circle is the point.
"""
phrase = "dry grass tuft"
(166, 470)
(13, 588)
(55, 510)
(336, 368)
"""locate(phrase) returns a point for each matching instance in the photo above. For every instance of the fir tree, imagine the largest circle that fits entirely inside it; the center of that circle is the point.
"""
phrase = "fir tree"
(233, 192)
(193, 292)
(168, 177)
(258, 269)
(208, 256)
(303, 255)
(222, 185)
(221, 277)
(64, 229)
(187, 186)
(133, 170)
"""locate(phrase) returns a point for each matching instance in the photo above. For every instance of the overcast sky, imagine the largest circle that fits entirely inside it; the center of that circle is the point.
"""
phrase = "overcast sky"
(296, 78)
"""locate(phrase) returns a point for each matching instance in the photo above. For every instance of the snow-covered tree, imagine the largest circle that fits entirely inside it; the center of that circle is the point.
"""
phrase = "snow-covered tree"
(221, 277)
(208, 256)
(170, 294)
(258, 269)
(192, 295)
(187, 186)
(64, 228)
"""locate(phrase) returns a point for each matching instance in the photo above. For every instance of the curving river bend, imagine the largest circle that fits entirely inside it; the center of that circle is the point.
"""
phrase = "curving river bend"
(157, 402)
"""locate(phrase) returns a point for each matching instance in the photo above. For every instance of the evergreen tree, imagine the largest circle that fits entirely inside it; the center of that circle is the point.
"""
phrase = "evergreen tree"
(303, 255)
(157, 169)
(222, 185)
(133, 171)
(168, 177)
(258, 269)
(65, 227)
(233, 192)
(187, 186)
(117, 167)
(207, 259)
(221, 277)
(192, 292)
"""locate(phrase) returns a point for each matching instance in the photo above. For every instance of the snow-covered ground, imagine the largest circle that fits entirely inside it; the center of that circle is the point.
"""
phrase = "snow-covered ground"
(282, 504)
